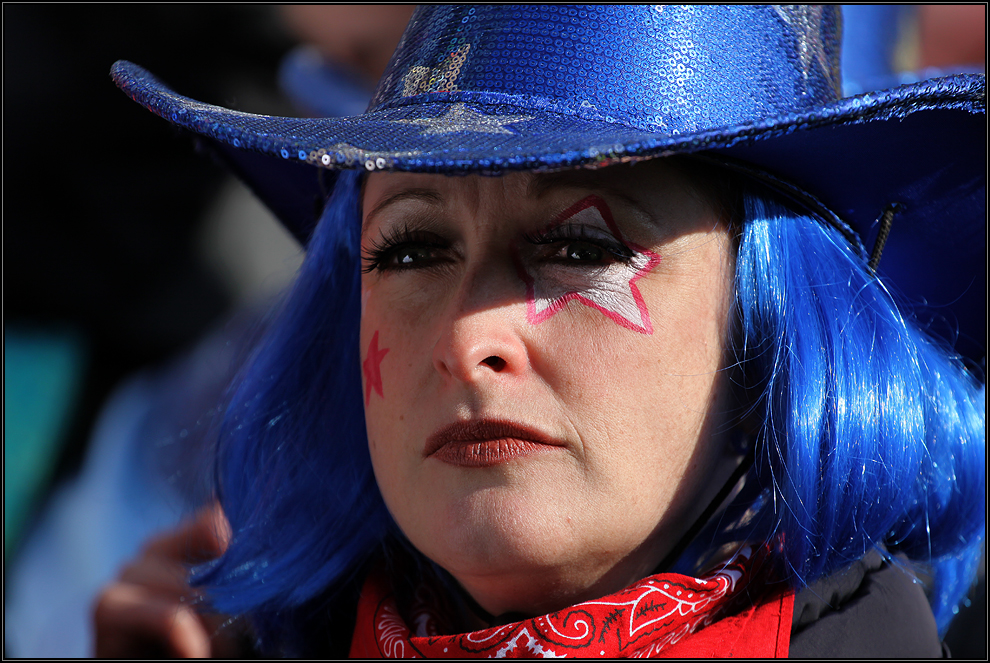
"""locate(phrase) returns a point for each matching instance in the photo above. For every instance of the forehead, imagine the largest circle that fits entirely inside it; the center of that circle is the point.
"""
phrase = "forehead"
(535, 183)
(639, 182)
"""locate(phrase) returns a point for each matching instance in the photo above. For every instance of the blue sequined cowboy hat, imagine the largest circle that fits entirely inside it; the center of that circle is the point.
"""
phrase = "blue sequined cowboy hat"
(490, 89)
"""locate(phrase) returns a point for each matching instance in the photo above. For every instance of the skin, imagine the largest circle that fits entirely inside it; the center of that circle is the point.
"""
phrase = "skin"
(639, 420)
(149, 610)
(639, 416)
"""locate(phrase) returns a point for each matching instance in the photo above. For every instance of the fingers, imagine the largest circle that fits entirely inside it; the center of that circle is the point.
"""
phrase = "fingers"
(228, 638)
(203, 537)
(163, 563)
(149, 611)
(132, 622)
(160, 574)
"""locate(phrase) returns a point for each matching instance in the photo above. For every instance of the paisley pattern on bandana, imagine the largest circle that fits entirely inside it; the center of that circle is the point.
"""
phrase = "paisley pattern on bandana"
(649, 618)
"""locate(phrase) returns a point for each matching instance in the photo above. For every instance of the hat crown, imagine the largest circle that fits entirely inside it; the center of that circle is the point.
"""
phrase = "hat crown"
(661, 68)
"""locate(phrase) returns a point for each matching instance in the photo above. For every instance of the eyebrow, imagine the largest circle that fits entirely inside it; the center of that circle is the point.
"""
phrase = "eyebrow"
(543, 182)
(538, 186)
(429, 196)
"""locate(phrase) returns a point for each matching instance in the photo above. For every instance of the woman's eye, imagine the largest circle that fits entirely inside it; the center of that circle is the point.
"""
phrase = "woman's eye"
(394, 254)
(579, 246)
(407, 256)
(581, 252)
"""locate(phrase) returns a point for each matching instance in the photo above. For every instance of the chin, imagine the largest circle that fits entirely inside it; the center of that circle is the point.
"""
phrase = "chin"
(496, 529)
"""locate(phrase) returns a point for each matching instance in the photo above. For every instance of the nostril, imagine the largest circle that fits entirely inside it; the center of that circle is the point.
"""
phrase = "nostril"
(495, 363)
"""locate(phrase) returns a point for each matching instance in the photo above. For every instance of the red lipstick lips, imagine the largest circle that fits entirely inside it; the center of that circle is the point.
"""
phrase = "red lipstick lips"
(485, 442)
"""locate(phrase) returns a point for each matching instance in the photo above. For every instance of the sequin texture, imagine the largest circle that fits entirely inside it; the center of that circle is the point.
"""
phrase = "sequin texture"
(495, 88)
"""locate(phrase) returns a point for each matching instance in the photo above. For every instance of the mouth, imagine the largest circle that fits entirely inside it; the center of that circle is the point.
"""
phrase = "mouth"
(486, 442)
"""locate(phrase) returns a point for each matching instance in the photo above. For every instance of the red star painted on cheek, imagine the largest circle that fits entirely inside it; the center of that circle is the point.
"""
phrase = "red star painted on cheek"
(372, 366)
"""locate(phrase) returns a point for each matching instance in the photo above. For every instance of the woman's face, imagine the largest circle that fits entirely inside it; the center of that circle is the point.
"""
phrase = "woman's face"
(544, 372)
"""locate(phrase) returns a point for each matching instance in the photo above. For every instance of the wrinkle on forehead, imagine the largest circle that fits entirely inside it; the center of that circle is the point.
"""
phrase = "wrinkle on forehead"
(635, 186)
(536, 185)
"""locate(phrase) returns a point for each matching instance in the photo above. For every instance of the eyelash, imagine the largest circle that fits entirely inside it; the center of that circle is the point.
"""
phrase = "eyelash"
(382, 250)
(567, 232)
(378, 256)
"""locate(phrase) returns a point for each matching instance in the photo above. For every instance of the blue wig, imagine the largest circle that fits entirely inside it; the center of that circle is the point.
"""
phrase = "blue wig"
(294, 473)
(872, 433)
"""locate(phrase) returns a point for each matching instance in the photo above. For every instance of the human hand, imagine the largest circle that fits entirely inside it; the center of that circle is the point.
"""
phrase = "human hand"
(149, 610)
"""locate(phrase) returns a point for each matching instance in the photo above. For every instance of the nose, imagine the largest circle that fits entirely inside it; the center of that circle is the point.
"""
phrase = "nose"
(480, 344)
(481, 338)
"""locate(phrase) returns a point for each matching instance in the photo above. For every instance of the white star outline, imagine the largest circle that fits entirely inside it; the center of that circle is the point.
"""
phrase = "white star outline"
(620, 299)
(461, 118)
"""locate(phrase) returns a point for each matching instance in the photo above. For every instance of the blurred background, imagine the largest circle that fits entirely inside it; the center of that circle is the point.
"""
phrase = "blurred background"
(137, 272)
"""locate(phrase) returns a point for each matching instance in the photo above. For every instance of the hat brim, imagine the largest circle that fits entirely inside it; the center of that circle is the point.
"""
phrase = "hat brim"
(922, 145)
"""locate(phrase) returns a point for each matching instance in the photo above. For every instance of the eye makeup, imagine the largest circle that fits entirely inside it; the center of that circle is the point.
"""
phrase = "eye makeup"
(405, 247)
(587, 238)
(583, 256)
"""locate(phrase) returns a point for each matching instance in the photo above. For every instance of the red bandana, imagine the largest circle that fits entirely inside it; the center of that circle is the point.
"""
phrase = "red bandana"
(665, 615)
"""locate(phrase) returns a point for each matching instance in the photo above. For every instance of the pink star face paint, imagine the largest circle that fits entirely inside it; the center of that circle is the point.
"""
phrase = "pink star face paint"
(372, 367)
(587, 259)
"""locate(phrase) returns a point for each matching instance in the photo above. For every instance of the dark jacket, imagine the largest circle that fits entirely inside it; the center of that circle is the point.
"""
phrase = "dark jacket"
(870, 609)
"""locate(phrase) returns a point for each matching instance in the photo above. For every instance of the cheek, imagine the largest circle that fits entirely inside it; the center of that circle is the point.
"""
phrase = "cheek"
(372, 369)
(365, 295)
(636, 387)
(695, 319)
(604, 377)
(382, 391)
(390, 339)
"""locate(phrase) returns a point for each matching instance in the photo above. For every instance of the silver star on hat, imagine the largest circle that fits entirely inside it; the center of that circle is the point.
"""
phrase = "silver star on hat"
(461, 118)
